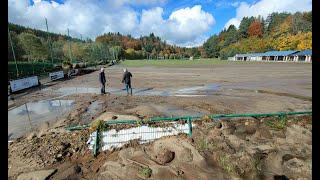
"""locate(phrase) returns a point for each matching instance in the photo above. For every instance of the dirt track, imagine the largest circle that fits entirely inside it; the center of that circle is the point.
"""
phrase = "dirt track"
(254, 88)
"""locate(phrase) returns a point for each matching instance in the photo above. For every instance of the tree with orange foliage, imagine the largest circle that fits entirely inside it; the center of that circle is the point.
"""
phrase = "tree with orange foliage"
(255, 28)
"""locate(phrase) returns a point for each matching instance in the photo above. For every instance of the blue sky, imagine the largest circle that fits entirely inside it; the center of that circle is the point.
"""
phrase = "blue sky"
(181, 22)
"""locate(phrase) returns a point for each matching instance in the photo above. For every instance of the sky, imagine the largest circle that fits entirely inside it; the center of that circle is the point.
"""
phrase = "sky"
(186, 23)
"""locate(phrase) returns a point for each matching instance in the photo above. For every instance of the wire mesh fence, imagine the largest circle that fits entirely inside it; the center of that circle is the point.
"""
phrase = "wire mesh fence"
(114, 138)
(25, 69)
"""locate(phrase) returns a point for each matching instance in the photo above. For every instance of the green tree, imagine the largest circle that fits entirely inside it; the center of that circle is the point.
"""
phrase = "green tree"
(244, 26)
(33, 46)
(18, 49)
(211, 48)
(231, 36)
(300, 23)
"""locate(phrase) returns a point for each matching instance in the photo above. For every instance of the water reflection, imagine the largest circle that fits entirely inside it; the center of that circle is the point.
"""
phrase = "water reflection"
(29, 116)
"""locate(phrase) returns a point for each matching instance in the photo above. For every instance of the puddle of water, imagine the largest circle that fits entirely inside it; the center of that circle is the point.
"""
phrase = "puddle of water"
(173, 111)
(38, 112)
(116, 139)
(198, 88)
(186, 92)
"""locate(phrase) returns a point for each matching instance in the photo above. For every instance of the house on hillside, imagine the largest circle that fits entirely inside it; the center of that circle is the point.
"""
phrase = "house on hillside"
(302, 56)
(278, 55)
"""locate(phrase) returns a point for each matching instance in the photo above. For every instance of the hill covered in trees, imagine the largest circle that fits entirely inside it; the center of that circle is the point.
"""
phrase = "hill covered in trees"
(279, 32)
(34, 45)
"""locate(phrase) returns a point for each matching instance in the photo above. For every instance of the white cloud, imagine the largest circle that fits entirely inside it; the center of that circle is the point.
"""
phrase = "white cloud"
(233, 21)
(183, 26)
(36, 1)
(96, 17)
(265, 7)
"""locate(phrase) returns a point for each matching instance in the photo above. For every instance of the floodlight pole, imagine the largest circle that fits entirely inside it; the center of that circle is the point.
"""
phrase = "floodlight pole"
(49, 42)
(14, 56)
(70, 48)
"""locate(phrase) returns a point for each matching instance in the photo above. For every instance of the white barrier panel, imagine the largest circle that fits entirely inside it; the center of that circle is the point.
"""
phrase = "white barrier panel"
(56, 75)
(24, 83)
(116, 139)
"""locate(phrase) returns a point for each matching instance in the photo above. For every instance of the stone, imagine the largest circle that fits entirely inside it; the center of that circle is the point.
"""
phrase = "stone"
(165, 156)
(250, 130)
(240, 129)
(39, 175)
(265, 134)
(287, 157)
(245, 129)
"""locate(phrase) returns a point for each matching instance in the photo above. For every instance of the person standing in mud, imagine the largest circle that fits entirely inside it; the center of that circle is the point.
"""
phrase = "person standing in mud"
(102, 79)
(127, 80)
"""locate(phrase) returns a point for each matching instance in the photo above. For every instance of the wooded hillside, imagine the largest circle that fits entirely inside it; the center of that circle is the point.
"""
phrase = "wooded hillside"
(279, 32)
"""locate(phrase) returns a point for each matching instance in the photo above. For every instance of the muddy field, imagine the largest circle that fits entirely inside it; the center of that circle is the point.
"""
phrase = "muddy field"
(247, 148)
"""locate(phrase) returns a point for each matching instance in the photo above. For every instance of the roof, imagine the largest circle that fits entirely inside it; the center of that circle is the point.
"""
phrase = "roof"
(279, 53)
(302, 53)
(250, 55)
(270, 53)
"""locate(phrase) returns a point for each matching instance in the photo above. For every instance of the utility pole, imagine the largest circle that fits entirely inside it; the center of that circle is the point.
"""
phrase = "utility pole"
(49, 42)
(70, 48)
(14, 56)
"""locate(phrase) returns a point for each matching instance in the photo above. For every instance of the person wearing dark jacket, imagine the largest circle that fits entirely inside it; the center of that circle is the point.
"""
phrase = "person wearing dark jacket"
(102, 79)
(127, 80)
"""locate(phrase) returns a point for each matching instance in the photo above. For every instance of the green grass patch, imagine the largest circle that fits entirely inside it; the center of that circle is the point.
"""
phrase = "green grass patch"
(276, 123)
(225, 163)
(177, 63)
(202, 145)
(146, 171)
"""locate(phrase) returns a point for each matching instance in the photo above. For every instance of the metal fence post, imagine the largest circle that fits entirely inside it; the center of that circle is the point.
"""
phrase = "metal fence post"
(190, 127)
(95, 148)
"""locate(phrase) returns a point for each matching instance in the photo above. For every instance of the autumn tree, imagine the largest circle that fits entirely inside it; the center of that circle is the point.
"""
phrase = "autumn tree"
(255, 28)
(244, 26)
